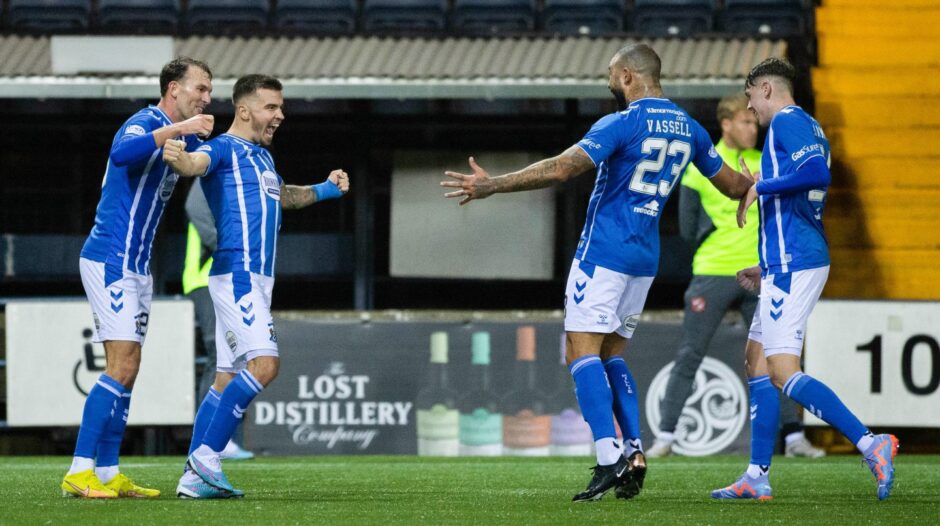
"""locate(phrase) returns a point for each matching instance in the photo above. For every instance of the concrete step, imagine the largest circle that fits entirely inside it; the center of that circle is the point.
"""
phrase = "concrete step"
(901, 113)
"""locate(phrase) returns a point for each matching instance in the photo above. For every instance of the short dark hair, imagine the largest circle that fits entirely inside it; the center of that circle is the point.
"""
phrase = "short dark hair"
(176, 69)
(642, 59)
(249, 84)
(772, 67)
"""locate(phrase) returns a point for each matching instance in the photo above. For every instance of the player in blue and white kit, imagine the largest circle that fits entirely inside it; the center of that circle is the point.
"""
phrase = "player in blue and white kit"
(639, 154)
(794, 265)
(115, 268)
(246, 195)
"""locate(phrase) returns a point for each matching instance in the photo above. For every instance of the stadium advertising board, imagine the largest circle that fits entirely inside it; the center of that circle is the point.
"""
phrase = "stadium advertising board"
(52, 364)
(382, 387)
(881, 357)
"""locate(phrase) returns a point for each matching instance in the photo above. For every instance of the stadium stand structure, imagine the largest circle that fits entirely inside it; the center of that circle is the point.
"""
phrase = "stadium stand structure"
(779, 18)
(677, 18)
(139, 16)
(48, 16)
(315, 16)
(877, 93)
(583, 17)
(492, 17)
(230, 17)
(382, 16)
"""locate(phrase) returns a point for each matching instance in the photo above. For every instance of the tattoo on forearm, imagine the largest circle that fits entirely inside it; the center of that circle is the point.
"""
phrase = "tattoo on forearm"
(545, 172)
(293, 197)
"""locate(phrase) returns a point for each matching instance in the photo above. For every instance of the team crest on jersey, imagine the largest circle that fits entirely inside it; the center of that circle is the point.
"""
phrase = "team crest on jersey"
(712, 152)
(166, 188)
(271, 185)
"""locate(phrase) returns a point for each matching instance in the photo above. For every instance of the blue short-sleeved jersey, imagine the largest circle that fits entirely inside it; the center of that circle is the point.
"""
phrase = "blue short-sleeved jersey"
(243, 190)
(791, 233)
(640, 153)
(132, 200)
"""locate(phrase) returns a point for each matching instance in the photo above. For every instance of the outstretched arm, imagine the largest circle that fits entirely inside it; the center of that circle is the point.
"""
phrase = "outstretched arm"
(294, 197)
(547, 172)
(185, 164)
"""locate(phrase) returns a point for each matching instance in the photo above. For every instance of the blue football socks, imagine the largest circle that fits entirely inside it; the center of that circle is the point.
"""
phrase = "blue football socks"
(109, 445)
(765, 419)
(626, 402)
(104, 397)
(822, 402)
(595, 400)
(232, 406)
(203, 416)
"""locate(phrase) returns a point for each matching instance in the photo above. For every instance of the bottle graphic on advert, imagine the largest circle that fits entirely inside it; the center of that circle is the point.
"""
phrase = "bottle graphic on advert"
(481, 425)
(526, 422)
(571, 435)
(436, 405)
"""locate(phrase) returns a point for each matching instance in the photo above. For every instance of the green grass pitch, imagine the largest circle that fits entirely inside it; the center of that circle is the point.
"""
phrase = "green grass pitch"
(396, 490)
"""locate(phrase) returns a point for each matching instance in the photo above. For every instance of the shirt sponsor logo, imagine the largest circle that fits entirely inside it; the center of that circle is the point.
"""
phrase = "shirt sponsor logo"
(651, 209)
(271, 185)
(588, 143)
(204, 148)
(135, 129)
(806, 150)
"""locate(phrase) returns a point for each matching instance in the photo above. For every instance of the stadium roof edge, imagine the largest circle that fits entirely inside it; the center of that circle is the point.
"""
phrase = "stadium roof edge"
(84, 87)
(374, 67)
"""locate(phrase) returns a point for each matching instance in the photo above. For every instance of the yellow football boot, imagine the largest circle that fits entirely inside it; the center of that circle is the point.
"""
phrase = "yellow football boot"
(85, 484)
(125, 487)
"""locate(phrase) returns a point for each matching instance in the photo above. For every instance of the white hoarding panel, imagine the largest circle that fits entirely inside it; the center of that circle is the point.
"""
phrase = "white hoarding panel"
(882, 358)
(52, 364)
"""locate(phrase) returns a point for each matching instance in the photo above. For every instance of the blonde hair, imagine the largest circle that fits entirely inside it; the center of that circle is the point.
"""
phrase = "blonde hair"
(730, 105)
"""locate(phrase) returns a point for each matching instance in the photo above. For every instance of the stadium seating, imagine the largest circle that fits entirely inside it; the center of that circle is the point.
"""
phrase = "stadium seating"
(48, 16)
(139, 16)
(315, 16)
(673, 17)
(488, 17)
(779, 18)
(229, 17)
(401, 16)
(583, 17)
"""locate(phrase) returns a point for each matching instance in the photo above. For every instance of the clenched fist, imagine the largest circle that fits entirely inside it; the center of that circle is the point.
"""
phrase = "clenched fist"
(173, 150)
(340, 179)
(200, 125)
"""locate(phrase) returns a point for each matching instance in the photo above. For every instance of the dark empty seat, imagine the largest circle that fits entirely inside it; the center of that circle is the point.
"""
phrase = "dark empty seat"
(139, 16)
(316, 16)
(777, 18)
(404, 15)
(49, 16)
(673, 17)
(227, 17)
(487, 17)
(583, 17)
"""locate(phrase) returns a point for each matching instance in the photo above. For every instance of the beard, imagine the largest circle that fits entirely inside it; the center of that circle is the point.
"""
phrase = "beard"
(620, 97)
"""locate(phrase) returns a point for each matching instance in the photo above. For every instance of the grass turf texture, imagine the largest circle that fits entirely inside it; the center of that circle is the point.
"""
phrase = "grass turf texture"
(382, 490)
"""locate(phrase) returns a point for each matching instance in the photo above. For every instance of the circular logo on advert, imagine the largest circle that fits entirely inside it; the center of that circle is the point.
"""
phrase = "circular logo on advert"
(714, 413)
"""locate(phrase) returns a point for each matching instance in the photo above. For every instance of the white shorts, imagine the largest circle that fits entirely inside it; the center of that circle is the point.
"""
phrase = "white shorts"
(244, 328)
(602, 300)
(786, 301)
(121, 310)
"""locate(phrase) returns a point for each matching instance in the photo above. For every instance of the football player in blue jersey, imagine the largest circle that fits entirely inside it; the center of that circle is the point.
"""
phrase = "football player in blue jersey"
(638, 154)
(794, 265)
(115, 268)
(246, 195)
